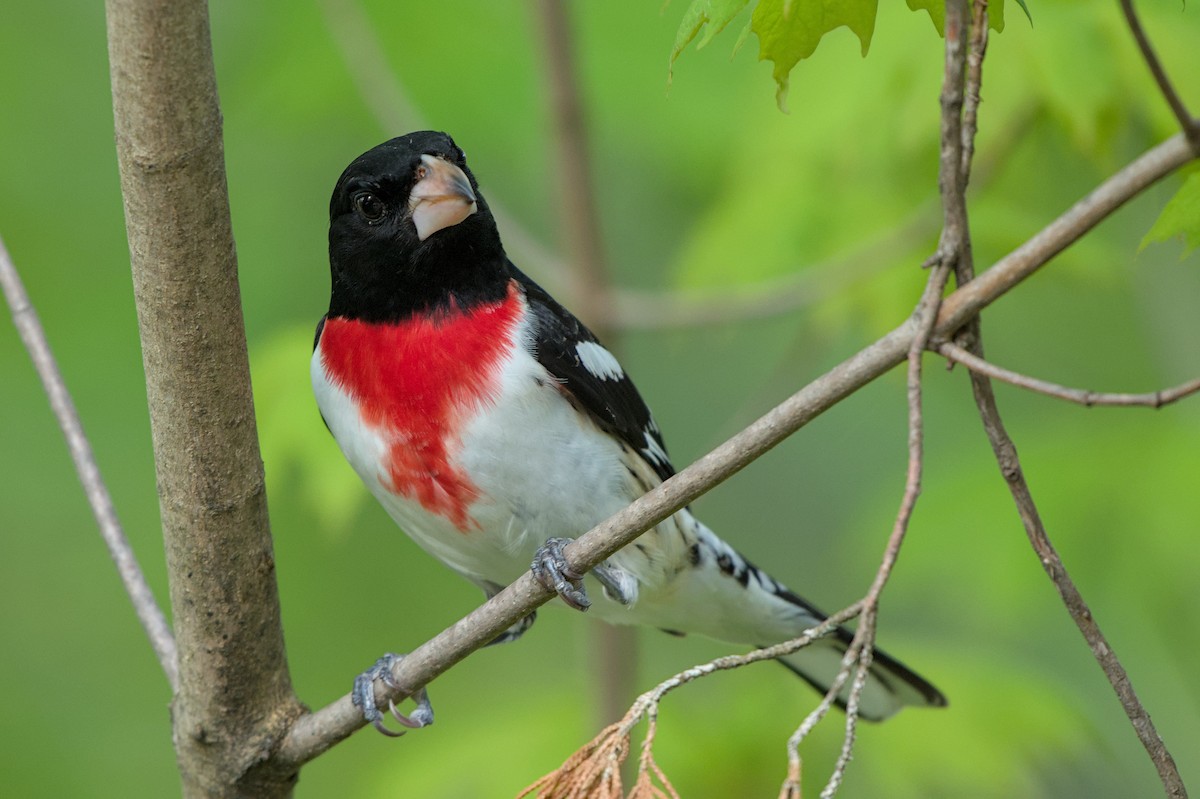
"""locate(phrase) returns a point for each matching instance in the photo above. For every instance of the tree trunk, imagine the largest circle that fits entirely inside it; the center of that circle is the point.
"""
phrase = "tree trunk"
(235, 697)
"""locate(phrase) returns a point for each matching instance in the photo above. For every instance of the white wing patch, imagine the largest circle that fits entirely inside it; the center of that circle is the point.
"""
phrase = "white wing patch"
(599, 361)
(654, 451)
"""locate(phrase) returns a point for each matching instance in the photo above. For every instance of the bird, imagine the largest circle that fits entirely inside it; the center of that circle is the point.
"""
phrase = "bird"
(493, 427)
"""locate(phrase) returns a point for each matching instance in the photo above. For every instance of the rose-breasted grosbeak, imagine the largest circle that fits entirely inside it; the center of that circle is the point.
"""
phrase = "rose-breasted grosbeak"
(491, 424)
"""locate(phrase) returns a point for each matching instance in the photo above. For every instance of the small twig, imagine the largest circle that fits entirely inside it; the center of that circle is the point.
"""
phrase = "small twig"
(954, 194)
(791, 788)
(791, 784)
(925, 316)
(1154, 399)
(863, 646)
(975, 54)
(951, 184)
(866, 654)
(956, 149)
(29, 327)
(858, 656)
(955, 158)
(1010, 466)
(1190, 125)
(593, 770)
(783, 649)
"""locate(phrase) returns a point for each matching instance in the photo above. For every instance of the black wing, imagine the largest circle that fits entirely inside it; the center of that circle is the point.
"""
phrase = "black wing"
(606, 394)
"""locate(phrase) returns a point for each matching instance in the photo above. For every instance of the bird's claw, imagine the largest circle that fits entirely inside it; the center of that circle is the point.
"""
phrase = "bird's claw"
(551, 569)
(363, 697)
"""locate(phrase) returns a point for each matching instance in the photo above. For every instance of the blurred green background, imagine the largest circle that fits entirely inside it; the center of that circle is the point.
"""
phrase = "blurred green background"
(702, 187)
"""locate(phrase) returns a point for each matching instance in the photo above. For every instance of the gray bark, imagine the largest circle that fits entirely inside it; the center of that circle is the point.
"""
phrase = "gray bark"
(235, 697)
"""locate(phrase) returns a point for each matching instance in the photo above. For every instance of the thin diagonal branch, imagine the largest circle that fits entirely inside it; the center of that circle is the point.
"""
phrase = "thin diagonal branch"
(1190, 125)
(316, 732)
(925, 319)
(1019, 264)
(859, 654)
(29, 327)
(1010, 466)
(1154, 399)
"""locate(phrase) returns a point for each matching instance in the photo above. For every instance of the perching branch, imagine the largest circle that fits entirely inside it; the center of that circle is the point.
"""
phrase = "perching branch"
(1155, 399)
(1189, 124)
(316, 732)
(235, 696)
(29, 327)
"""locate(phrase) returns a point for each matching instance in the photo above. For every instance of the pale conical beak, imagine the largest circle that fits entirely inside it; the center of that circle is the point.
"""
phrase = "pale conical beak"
(441, 198)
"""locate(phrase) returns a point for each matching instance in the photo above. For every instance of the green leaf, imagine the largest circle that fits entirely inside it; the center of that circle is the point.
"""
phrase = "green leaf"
(711, 16)
(1180, 218)
(1024, 8)
(790, 31)
(937, 13)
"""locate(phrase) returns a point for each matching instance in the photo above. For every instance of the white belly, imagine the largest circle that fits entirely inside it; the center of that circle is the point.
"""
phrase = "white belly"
(540, 467)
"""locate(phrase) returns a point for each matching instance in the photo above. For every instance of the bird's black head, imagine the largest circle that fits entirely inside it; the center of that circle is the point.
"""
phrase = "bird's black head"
(409, 231)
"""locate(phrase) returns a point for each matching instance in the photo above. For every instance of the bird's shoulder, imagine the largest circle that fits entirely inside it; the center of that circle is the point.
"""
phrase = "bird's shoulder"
(591, 376)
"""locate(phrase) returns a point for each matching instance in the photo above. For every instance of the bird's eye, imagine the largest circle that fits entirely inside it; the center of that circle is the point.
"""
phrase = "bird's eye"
(369, 207)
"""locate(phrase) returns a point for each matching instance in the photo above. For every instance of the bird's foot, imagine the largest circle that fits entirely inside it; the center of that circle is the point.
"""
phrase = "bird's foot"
(551, 569)
(363, 697)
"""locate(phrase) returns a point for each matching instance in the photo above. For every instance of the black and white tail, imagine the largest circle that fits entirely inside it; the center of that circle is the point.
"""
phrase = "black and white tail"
(724, 596)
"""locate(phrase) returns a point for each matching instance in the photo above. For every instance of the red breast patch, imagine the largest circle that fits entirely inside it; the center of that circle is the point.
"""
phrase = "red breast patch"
(417, 382)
